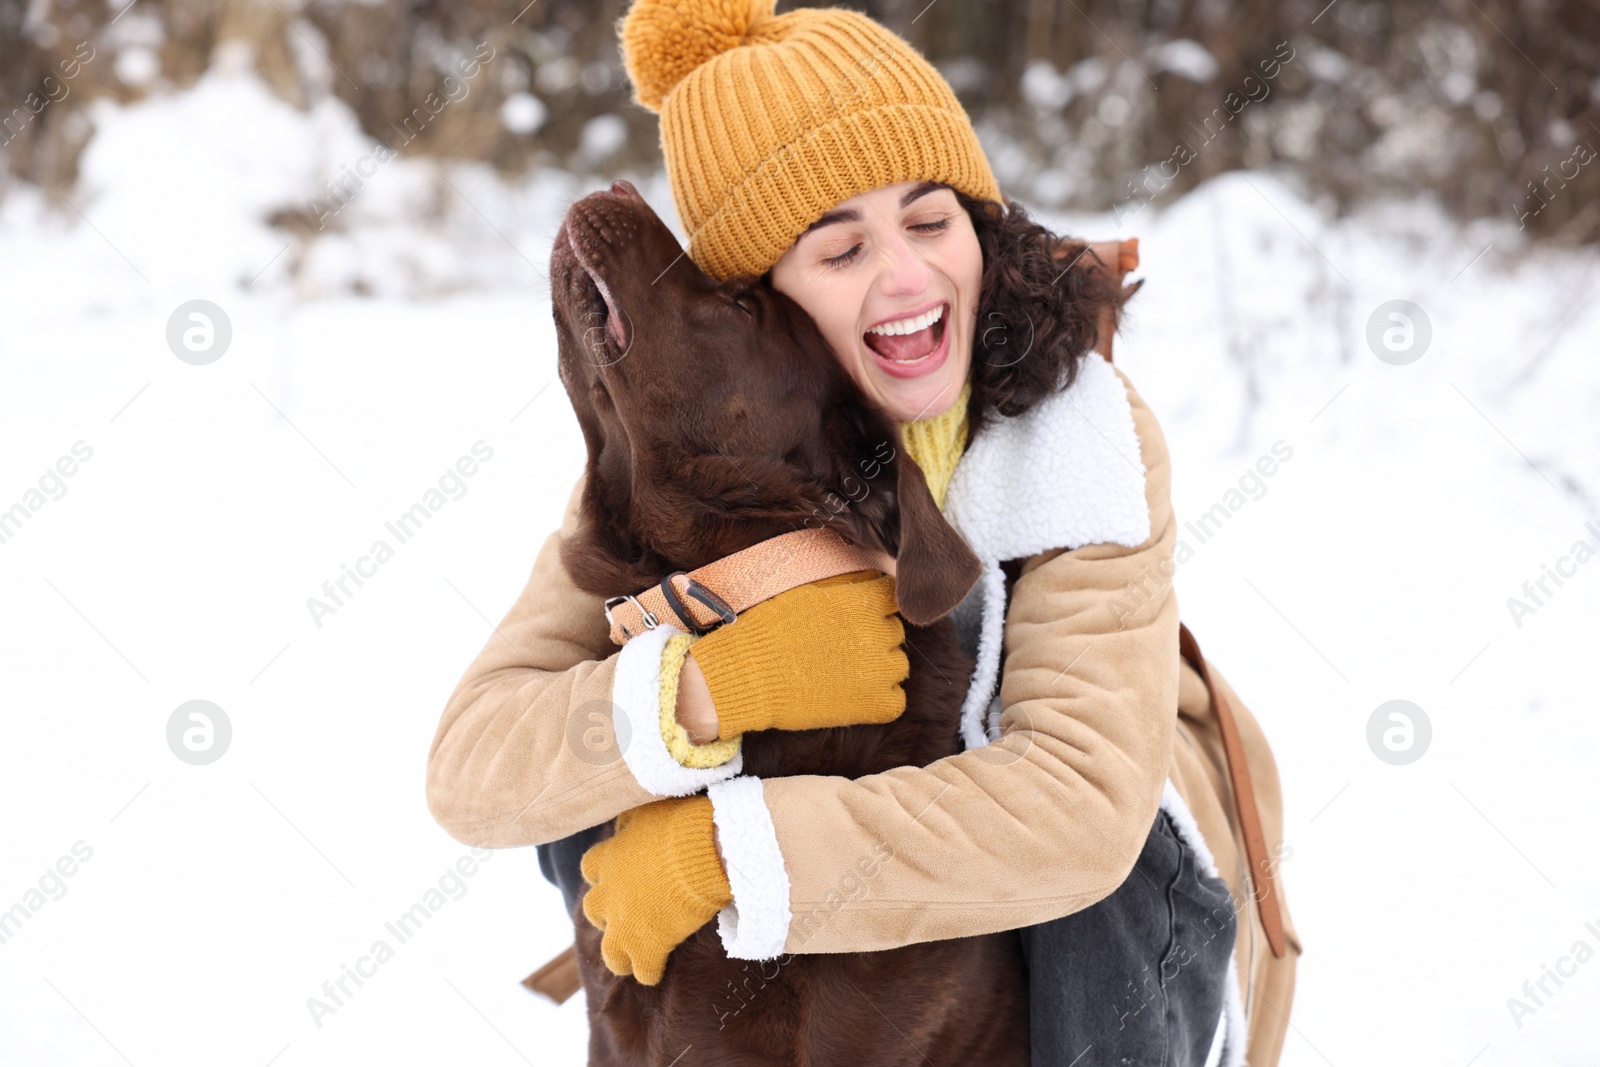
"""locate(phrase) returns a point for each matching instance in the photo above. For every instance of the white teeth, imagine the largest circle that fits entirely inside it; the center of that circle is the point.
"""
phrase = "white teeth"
(912, 325)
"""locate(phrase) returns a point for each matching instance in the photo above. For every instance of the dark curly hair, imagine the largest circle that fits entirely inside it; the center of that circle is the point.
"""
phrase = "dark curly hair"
(1041, 303)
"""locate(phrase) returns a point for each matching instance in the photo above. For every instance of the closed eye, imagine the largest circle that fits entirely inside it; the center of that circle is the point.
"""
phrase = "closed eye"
(921, 227)
(842, 258)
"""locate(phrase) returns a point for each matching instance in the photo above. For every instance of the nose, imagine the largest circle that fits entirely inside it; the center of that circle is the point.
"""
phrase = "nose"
(905, 272)
(623, 187)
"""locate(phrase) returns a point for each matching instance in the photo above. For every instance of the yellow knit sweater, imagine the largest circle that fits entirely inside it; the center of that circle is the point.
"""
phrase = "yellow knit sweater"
(936, 444)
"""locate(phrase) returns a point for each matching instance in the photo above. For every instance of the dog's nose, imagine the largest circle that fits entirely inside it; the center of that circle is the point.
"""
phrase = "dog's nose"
(623, 187)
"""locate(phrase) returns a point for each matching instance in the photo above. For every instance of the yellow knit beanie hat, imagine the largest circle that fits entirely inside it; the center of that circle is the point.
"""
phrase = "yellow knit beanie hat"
(768, 121)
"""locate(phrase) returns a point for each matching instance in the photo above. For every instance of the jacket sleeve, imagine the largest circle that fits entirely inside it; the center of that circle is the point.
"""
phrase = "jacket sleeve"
(1042, 822)
(552, 729)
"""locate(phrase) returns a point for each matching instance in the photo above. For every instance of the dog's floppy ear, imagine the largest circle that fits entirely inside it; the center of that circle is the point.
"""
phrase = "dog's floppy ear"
(934, 568)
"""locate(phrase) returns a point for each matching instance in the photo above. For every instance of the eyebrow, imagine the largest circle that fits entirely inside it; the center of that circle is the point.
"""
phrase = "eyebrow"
(850, 214)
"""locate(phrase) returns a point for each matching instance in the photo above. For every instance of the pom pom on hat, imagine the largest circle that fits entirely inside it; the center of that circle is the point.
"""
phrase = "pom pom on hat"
(663, 40)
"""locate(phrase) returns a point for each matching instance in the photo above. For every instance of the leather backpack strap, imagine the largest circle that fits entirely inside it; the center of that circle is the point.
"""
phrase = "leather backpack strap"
(1116, 257)
(1262, 884)
(1119, 257)
(558, 979)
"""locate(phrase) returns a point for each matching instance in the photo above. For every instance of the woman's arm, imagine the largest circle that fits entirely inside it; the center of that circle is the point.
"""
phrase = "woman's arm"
(524, 753)
(1044, 822)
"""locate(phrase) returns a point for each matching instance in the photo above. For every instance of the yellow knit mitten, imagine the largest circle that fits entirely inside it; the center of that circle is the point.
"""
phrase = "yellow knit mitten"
(655, 882)
(827, 653)
(686, 752)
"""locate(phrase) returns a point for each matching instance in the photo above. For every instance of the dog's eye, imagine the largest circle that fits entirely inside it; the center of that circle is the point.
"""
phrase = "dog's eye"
(746, 303)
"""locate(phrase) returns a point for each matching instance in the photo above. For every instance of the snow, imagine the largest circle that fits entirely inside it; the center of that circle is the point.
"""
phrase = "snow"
(1186, 58)
(522, 113)
(176, 561)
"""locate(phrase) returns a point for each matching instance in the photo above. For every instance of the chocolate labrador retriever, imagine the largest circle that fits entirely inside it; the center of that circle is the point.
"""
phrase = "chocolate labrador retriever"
(715, 417)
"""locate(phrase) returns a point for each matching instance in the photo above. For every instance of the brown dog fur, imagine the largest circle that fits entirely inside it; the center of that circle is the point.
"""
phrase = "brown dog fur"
(715, 417)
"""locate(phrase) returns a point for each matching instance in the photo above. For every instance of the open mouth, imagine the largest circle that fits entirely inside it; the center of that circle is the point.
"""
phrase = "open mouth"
(913, 345)
(605, 316)
(584, 256)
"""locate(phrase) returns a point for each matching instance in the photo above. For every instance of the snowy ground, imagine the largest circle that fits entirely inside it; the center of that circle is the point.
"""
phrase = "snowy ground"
(208, 903)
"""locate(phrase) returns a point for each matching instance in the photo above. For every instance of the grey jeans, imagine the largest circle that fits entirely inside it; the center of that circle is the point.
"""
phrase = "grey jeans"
(1140, 977)
(1136, 980)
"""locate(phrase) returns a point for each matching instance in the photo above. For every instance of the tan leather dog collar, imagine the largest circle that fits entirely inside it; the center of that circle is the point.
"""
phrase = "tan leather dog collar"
(715, 594)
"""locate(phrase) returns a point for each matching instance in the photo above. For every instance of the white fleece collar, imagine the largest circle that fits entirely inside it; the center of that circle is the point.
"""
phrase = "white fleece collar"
(1065, 473)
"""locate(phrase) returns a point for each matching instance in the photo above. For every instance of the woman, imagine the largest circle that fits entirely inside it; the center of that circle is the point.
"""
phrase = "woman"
(823, 153)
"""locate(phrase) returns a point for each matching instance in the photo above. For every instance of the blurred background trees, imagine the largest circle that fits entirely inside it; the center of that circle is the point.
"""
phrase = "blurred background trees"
(1491, 105)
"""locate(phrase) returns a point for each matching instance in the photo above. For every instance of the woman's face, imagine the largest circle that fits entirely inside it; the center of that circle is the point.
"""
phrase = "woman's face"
(891, 276)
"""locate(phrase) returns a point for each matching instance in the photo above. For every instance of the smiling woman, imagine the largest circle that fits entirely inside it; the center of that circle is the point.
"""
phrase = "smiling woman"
(1039, 298)
(860, 191)
(1076, 818)
(891, 277)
